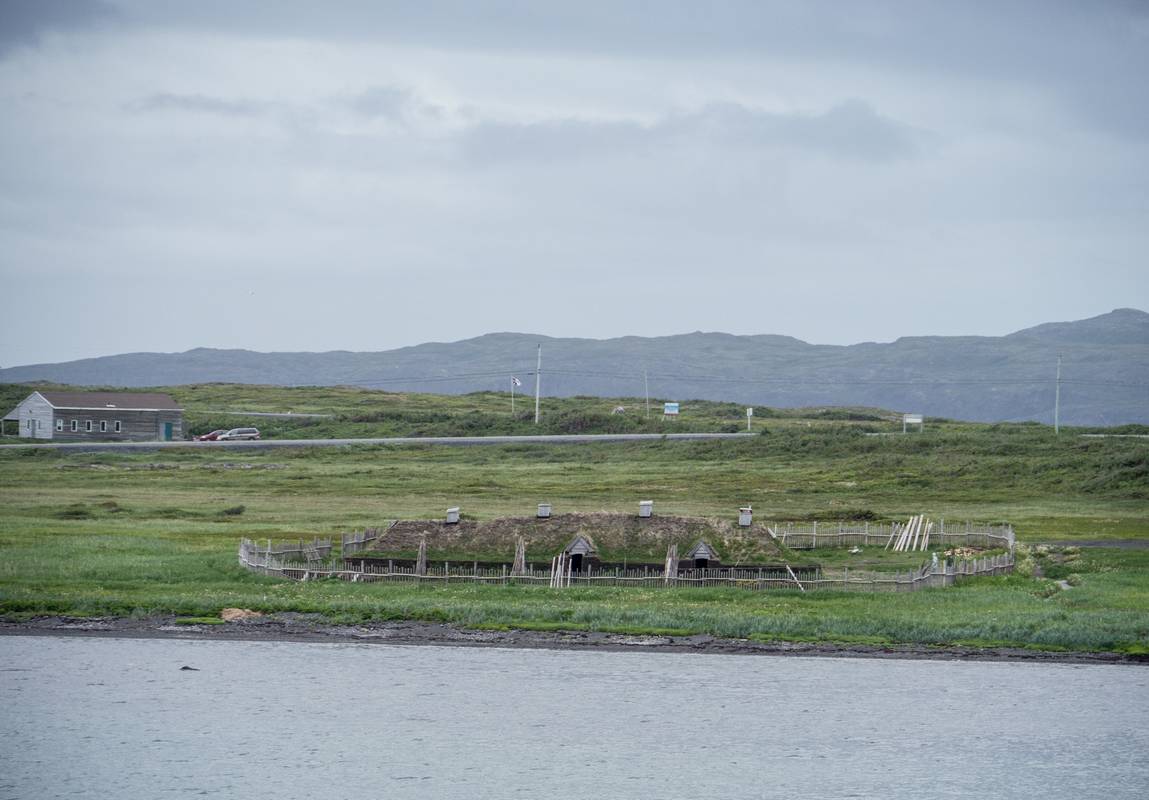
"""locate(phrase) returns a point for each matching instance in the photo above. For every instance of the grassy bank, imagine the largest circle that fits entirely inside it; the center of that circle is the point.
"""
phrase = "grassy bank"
(1105, 610)
(156, 532)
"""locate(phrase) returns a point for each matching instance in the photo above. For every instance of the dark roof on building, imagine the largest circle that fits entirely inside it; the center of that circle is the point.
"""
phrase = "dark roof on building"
(125, 400)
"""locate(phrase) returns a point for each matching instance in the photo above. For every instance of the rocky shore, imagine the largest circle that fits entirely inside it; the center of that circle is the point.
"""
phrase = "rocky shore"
(291, 627)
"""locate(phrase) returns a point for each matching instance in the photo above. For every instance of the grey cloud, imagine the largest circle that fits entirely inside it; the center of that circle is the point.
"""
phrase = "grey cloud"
(382, 101)
(24, 22)
(1074, 50)
(199, 103)
(850, 130)
(568, 139)
(394, 103)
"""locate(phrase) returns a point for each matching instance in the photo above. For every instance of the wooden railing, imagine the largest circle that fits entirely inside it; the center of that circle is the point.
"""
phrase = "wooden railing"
(810, 535)
(358, 541)
(269, 561)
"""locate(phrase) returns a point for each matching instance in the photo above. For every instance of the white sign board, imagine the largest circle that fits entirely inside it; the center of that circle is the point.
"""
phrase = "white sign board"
(912, 419)
(670, 409)
(749, 412)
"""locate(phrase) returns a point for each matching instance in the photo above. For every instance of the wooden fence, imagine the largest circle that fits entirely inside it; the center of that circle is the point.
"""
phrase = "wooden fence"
(298, 550)
(358, 541)
(807, 536)
(268, 561)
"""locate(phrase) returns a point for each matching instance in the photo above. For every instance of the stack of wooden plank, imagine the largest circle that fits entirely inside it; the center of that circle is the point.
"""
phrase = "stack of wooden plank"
(560, 571)
(914, 535)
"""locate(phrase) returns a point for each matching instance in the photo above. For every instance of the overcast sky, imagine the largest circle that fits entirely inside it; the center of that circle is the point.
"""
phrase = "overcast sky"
(369, 175)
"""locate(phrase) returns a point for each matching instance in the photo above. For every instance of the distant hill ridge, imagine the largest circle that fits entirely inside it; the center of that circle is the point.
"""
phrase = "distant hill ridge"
(983, 378)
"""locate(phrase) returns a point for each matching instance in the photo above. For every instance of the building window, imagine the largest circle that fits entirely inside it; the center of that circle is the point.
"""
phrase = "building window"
(88, 425)
(59, 424)
(117, 426)
(75, 425)
(103, 426)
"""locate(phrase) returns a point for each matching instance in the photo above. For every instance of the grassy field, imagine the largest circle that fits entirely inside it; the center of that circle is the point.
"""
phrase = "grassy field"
(358, 413)
(156, 532)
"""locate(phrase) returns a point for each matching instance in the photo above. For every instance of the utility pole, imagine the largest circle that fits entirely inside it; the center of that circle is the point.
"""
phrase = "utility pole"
(1057, 400)
(646, 386)
(538, 374)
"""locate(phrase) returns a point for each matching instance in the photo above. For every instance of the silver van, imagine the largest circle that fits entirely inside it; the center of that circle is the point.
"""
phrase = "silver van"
(236, 434)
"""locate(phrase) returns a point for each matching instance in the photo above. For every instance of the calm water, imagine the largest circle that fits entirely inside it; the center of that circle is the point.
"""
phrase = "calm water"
(117, 718)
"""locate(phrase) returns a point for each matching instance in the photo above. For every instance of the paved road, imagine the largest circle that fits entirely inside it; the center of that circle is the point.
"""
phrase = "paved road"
(269, 444)
(1113, 436)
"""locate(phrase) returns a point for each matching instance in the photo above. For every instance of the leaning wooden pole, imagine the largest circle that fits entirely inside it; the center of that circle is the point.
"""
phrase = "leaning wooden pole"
(912, 535)
(421, 563)
(902, 535)
(795, 578)
(893, 532)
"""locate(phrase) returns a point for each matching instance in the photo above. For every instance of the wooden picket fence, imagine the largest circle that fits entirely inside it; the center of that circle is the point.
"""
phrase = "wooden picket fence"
(270, 560)
(811, 535)
(358, 541)
(298, 550)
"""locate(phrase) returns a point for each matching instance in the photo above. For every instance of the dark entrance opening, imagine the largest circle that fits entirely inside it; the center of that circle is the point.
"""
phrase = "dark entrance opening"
(576, 562)
(701, 563)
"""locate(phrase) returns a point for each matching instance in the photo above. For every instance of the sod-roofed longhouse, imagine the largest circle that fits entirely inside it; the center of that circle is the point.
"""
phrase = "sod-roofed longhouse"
(599, 540)
(99, 416)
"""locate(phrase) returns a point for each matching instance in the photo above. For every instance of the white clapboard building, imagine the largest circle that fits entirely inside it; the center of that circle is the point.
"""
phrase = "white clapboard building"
(97, 416)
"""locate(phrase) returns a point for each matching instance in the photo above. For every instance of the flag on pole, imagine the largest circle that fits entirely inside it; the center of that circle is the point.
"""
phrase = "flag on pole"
(516, 381)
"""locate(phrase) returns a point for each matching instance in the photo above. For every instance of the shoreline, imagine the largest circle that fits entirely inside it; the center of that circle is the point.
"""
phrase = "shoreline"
(307, 629)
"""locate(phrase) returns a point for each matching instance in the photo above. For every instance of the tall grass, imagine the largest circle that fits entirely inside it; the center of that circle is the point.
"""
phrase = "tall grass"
(150, 533)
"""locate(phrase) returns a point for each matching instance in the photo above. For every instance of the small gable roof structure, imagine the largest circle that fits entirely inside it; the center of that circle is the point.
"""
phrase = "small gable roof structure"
(581, 546)
(703, 550)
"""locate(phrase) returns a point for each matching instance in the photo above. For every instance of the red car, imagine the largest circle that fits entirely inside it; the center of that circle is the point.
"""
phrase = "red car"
(210, 437)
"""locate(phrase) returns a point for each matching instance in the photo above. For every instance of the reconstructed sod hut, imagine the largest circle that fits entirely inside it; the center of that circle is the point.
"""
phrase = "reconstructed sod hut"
(703, 556)
(600, 540)
(581, 553)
